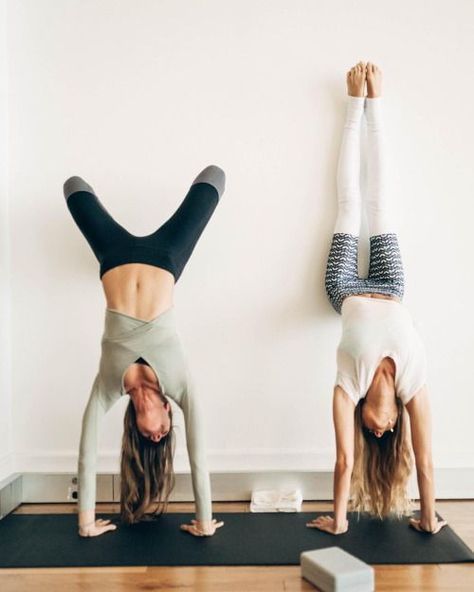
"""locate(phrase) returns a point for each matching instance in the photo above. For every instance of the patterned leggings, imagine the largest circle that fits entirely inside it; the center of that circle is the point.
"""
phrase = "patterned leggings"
(385, 268)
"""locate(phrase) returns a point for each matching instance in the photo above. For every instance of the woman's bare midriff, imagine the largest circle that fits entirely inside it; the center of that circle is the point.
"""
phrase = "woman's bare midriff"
(383, 296)
(139, 290)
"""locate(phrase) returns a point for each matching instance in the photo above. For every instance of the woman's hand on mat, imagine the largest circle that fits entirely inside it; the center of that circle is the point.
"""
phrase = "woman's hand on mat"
(96, 528)
(202, 527)
(431, 526)
(328, 524)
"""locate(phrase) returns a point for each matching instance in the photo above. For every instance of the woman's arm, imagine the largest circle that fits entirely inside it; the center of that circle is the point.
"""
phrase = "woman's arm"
(88, 525)
(418, 408)
(195, 443)
(343, 417)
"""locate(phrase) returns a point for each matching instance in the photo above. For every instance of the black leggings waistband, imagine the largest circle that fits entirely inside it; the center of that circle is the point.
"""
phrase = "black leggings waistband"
(169, 247)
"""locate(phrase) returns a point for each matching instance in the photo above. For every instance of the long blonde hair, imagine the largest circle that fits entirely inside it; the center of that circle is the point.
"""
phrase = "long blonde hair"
(382, 467)
(146, 469)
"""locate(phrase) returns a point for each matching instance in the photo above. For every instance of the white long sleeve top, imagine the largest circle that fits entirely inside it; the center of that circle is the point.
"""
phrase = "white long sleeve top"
(126, 338)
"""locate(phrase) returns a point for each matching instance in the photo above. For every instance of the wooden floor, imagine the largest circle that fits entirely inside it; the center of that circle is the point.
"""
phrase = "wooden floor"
(393, 578)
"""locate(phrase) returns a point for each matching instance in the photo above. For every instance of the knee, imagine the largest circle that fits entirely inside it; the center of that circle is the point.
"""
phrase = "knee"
(74, 184)
(213, 175)
(333, 284)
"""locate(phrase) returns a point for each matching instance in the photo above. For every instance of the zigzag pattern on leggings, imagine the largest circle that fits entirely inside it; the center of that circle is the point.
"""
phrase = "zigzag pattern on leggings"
(385, 268)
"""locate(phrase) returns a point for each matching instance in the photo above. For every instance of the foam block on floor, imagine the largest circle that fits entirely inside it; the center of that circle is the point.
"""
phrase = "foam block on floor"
(335, 570)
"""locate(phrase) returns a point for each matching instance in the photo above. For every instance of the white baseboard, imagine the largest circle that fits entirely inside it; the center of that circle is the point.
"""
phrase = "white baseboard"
(6, 465)
(11, 493)
(238, 485)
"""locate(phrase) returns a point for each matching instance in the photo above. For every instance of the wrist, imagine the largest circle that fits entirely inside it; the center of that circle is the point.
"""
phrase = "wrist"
(205, 526)
(340, 523)
(85, 529)
(86, 517)
(340, 517)
(427, 514)
(428, 523)
(340, 526)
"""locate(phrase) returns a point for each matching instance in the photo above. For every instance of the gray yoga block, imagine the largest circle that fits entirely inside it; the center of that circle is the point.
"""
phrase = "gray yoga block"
(335, 570)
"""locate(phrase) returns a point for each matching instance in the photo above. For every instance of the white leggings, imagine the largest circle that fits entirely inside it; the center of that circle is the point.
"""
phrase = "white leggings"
(348, 169)
(385, 267)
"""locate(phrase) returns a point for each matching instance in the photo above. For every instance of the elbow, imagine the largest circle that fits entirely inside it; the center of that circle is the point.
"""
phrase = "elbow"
(344, 464)
(424, 462)
(424, 467)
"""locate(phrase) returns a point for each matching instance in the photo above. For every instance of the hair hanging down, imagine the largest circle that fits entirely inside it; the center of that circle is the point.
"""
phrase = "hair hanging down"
(146, 470)
(382, 467)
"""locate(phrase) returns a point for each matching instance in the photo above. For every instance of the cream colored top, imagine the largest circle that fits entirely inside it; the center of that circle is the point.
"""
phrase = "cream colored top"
(372, 329)
(125, 339)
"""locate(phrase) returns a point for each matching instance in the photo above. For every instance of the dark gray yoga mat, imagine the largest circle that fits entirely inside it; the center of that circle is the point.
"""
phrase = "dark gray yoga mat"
(51, 540)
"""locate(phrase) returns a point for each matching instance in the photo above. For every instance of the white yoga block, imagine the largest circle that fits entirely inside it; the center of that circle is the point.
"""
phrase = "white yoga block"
(335, 570)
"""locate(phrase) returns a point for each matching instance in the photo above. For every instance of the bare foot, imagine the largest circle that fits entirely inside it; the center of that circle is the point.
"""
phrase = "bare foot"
(356, 80)
(374, 80)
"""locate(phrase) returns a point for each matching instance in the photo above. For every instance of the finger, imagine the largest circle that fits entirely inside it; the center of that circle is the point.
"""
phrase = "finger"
(319, 526)
(191, 529)
(440, 526)
(107, 528)
(219, 524)
(326, 529)
(102, 521)
(194, 531)
(102, 529)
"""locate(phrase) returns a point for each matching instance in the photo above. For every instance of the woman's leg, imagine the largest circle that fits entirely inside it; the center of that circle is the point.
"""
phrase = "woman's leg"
(178, 235)
(348, 169)
(385, 268)
(169, 247)
(96, 224)
(341, 271)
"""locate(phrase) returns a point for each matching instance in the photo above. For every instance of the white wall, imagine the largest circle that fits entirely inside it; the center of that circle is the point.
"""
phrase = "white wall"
(137, 98)
(6, 446)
